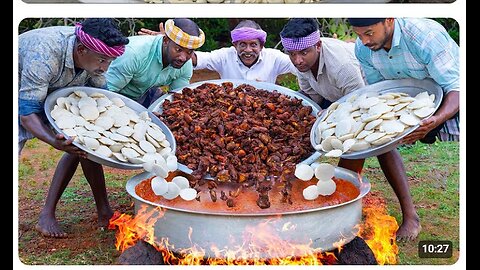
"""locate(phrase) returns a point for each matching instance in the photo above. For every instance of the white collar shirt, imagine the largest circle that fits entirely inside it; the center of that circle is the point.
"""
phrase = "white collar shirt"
(225, 61)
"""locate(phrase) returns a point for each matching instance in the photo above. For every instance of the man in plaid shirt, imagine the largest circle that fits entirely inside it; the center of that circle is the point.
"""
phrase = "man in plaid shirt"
(398, 48)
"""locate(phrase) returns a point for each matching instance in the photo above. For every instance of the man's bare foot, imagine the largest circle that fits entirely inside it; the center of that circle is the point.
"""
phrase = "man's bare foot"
(49, 227)
(104, 220)
(409, 230)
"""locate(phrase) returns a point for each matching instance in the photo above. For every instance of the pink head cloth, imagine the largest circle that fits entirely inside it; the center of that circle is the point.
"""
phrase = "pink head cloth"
(97, 45)
(248, 33)
(299, 44)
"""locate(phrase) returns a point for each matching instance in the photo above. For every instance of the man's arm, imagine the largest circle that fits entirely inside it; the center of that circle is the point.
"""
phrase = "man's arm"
(34, 124)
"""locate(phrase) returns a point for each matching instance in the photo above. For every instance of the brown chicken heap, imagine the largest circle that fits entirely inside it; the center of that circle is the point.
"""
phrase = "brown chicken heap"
(241, 134)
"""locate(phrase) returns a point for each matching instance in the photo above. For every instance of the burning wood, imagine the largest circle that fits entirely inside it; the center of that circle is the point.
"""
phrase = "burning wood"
(262, 245)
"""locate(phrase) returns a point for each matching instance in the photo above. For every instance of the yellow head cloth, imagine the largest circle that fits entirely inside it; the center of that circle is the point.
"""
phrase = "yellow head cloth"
(181, 38)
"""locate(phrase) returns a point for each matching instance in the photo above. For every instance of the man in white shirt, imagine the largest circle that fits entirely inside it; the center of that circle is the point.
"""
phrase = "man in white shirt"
(328, 70)
(247, 59)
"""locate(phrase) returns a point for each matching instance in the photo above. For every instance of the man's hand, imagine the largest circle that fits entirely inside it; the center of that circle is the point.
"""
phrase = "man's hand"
(426, 125)
(66, 145)
(148, 32)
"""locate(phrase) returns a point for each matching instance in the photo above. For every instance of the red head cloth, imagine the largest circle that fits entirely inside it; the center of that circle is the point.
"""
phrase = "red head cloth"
(97, 45)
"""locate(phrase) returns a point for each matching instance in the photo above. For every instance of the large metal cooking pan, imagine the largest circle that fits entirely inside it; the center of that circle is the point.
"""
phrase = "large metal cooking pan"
(51, 101)
(411, 87)
(322, 226)
(157, 105)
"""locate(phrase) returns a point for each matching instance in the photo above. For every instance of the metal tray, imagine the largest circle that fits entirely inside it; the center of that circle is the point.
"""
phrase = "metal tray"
(51, 100)
(408, 86)
(157, 105)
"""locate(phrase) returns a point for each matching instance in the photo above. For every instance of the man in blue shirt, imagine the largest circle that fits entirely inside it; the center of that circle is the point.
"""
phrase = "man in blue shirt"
(151, 62)
(390, 49)
(52, 58)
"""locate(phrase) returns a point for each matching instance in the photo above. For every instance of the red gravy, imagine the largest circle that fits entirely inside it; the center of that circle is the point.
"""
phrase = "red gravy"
(245, 202)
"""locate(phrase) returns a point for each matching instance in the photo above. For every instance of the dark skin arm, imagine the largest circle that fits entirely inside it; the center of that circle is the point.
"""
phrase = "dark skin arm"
(34, 124)
(449, 107)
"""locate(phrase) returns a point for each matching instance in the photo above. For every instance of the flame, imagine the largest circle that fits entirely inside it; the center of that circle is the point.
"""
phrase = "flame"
(130, 230)
(261, 244)
(378, 231)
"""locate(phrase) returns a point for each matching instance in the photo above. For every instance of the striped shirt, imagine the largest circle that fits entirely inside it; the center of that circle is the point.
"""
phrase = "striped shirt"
(421, 48)
(45, 64)
(225, 61)
(339, 72)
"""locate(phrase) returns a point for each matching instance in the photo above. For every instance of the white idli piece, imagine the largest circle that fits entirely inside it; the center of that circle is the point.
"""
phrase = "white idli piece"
(324, 171)
(116, 148)
(165, 152)
(70, 132)
(152, 141)
(360, 145)
(188, 194)
(89, 112)
(326, 188)
(172, 164)
(159, 185)
(334, 153)
(147, 147)
(92, 134)
(181, 182)
(380, 108)
(343, 127)
(310, 193)
(369, 102)
(91, 143)
(156, 133)
(104, 102)
(103, 150)
(160, 168)
(129, 152)
(420, 103)
(337, 144)
(409, 119)
(392, 126)
(165, 143)
(172, 192)
(347, 144)
(65, 122)
(136, 160)
(148, 165)
(118, 102)
(80, 93)
(373, 124)
(86, 101)
(303, 172)
(106, 122)
(374, 136)
(119, 156)
(328, 133)
(125, 131)
(423, 112)
(106, 141)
